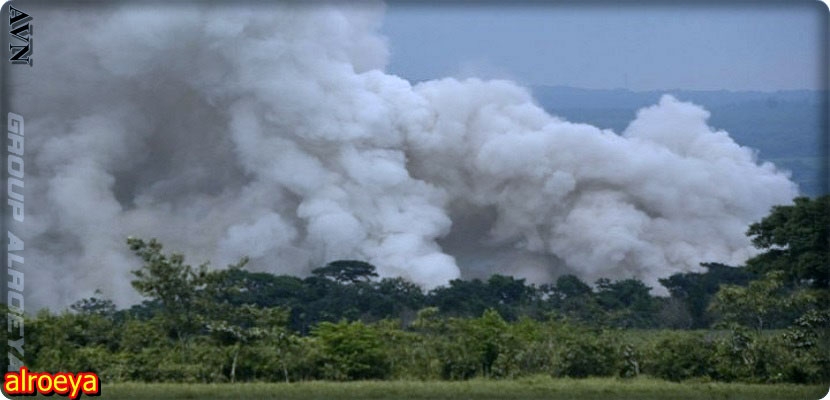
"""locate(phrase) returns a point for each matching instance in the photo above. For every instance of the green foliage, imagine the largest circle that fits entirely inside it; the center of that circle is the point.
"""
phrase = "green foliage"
(792, 356)
(352, 350)
(347, 271)
(475, 345)
(694, 291)
(808, 344)
(94, 306)
(582, 354)
(679, 355)
(737, 355)
(763, 303)
(796, 242)
(170, 282)
(627, 303)
(434, 348)
(574, 299)
(461, 298)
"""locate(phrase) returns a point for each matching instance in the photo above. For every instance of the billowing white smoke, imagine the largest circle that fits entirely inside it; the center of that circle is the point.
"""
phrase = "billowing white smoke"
(273, 132)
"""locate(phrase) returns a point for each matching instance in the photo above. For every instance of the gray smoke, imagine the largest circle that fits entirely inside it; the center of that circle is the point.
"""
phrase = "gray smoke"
(273, 132)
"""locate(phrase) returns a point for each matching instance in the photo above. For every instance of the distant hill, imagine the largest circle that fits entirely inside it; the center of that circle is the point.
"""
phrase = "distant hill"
(788, 128)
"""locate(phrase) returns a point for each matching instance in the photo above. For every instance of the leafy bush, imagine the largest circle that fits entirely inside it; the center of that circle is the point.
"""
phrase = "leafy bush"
(352, 350)
(583, 354)
(677, 356)
(807, 343)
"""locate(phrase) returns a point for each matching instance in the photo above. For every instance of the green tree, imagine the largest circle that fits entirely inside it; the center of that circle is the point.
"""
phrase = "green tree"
(170, 282)
(759, 304)
(95, 305)
(347, 271)
(679, 355)
(694, 290)
(394, 298)
(239, 326)
(510, 296)
(353, 350)
(186, 297)
(796, 242)
(461, 298)
(488, 336)
(70, 342)
(627, 303)
(574, 299)
(808, 343)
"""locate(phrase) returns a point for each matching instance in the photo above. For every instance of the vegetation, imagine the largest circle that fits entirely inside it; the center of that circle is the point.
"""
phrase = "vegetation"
(796, 242)
(766, 323)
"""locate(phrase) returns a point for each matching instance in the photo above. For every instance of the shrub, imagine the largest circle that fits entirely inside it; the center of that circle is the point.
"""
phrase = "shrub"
(352, 351)
(587, 354)
(679, 356)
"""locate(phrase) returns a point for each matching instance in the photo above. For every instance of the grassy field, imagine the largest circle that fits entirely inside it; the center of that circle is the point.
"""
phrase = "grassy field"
(529, 388)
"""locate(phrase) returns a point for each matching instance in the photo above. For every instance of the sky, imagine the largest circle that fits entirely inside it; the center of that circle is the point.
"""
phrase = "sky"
(636, 46)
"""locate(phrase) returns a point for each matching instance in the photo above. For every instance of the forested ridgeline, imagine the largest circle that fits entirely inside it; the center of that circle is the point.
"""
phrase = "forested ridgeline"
(767, 321)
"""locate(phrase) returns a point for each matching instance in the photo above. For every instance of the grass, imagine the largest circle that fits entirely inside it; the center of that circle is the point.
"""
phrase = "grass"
(528, 388)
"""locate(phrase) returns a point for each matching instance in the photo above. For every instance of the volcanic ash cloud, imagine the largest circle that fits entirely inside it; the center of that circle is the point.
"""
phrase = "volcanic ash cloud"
(275, 133)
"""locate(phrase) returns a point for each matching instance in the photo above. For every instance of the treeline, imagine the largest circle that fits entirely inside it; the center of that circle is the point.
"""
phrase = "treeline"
(256, 346)
(345, 290)
(770, 321)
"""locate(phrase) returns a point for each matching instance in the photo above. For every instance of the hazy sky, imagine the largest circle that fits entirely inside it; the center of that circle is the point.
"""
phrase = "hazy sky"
(606, 45)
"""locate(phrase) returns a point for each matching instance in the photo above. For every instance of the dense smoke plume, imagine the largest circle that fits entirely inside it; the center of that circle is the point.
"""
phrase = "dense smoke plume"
(273, 132)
